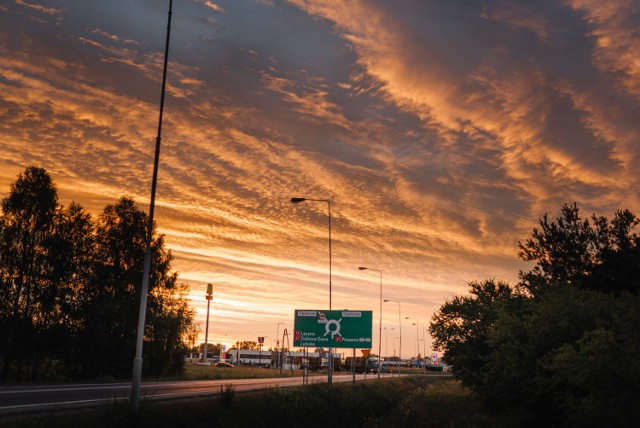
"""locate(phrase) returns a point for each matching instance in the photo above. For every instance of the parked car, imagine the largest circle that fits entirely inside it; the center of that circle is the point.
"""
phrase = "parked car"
(224, 365)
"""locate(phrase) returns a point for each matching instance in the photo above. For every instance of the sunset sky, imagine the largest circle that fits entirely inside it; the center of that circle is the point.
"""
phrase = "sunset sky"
(440, 130)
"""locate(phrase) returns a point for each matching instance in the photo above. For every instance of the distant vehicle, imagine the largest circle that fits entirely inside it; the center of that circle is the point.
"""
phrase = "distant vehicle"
(223, 365)
(361, 365)
(314, 363)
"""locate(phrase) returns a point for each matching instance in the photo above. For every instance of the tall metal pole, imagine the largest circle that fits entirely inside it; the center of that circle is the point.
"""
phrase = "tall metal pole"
(330, 273)
(380, 335)
(330, 371)
(400, 328)
(206, 328)
(380, 323)
(137, 362)
(417, 340)
(400, 349)
(296, 201)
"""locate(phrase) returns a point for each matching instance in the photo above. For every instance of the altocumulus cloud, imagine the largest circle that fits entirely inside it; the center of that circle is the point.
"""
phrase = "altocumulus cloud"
(439, 130)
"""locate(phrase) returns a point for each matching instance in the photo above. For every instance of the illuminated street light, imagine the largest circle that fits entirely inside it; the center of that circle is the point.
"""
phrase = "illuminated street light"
(380, 335)
(297, 201)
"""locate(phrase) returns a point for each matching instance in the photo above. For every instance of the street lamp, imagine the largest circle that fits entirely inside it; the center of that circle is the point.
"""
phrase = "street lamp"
(417, 335)
(400, 327)
(136, 378)
(206, 327)
(380, 335)
(297, 201)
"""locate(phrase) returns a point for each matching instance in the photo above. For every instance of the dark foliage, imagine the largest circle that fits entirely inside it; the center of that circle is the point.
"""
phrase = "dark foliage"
(462, 326)
(561, 347)
(600, 255)
(69, 288)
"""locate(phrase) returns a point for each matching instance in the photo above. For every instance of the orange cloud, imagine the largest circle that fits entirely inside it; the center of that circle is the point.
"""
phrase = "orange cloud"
(38, 7)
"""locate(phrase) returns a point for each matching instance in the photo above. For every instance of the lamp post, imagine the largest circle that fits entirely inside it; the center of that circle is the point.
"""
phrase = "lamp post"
(206, 327)
(400, 328)
(136, 378)
(417, 335)
(380, 335)
(297, 201)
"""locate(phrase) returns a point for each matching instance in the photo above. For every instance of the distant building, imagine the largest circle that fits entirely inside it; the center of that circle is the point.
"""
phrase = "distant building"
(286, 360)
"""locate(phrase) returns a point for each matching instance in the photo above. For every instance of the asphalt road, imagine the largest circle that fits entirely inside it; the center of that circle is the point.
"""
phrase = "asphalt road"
(31, 399)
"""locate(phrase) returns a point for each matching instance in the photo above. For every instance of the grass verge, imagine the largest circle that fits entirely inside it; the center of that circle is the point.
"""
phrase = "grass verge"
(405, 402)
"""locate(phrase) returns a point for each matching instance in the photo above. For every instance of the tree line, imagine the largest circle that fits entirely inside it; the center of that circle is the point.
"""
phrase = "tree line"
(70, 289)
(561, 347)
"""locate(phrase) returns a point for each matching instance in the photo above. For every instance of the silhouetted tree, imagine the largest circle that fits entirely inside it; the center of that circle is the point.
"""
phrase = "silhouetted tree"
(69, 288)
(26, 229)
(595, 379)
(71, 261)
(561, 347)
(563, 250)
(461, 328)
(114, 298)
(599, 255)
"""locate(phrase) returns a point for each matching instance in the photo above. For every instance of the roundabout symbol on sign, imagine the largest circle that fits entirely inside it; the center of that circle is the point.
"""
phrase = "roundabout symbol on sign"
(332, 332)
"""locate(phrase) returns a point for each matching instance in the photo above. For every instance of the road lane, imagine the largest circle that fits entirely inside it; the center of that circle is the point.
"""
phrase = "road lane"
(36, 398)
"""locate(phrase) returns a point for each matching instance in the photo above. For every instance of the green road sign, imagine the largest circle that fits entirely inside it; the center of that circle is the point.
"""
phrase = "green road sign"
(332, 329)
